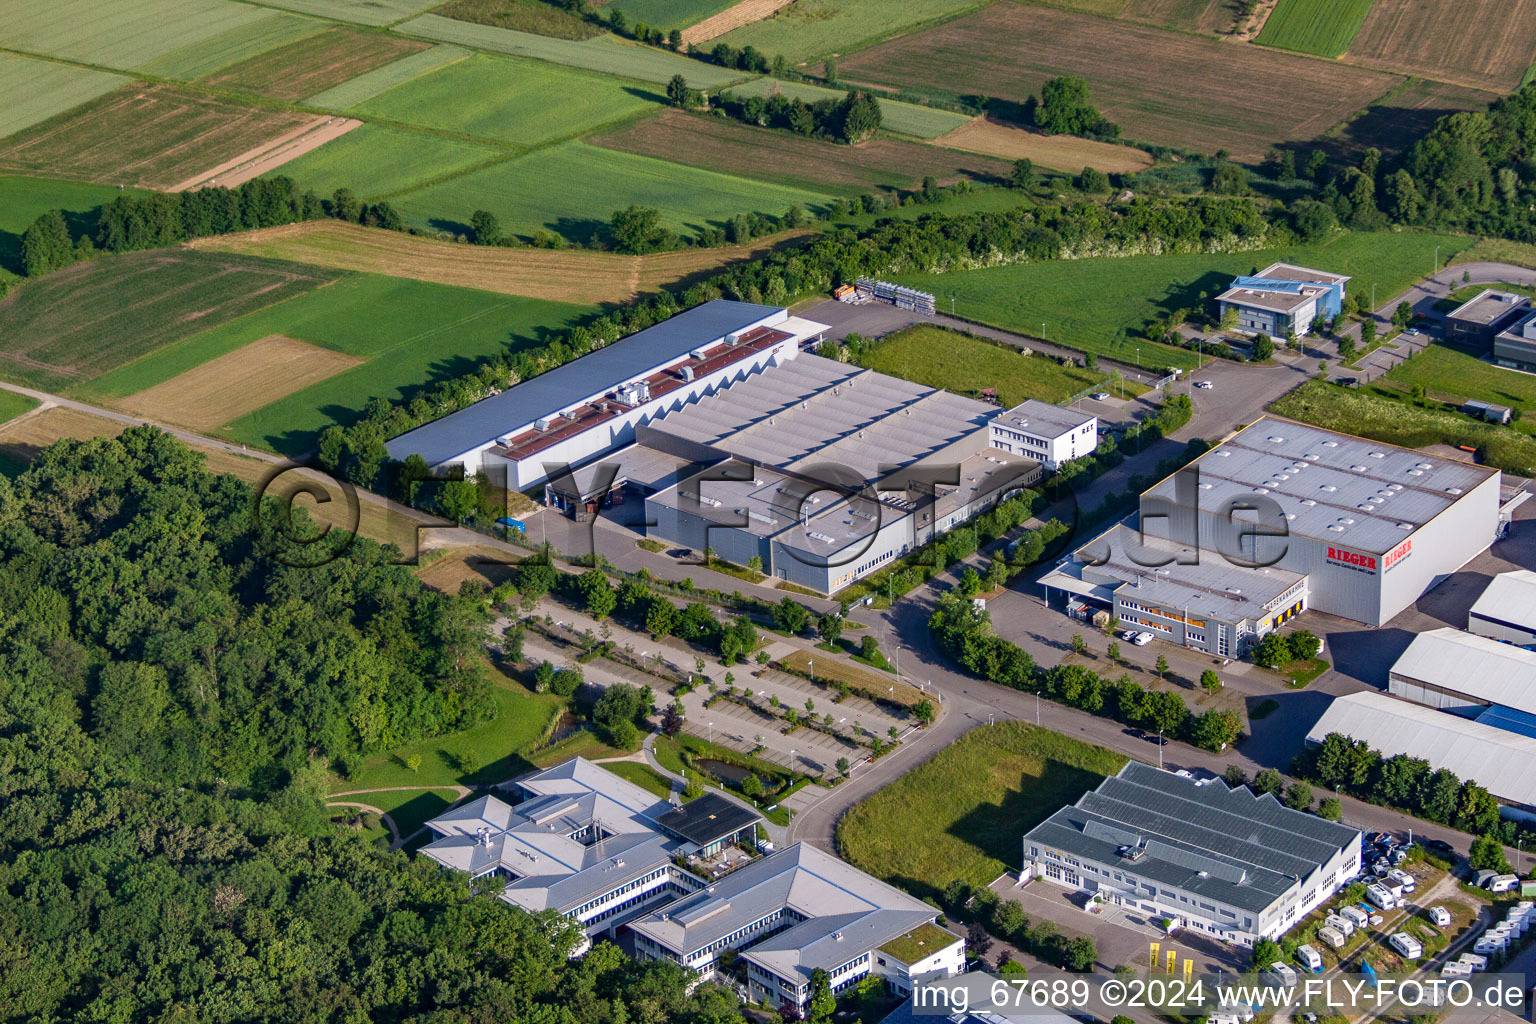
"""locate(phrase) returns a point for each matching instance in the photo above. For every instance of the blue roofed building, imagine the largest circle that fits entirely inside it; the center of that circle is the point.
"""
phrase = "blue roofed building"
(1282, 298)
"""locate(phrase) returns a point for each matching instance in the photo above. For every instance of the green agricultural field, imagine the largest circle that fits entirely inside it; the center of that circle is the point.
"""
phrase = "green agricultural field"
(573, 188)
(534, 16)
(361, 12)
(1454, 375)
(972, 803)
(376, 160)
(79, 323)
(409, 333)
(120, 35)
(23, 200)
(815, 28)
(13, 405)
(906, 118)
(35, 90)
(1098, 305)
(239, 43)
(519, 102)
(367, 86)
(314, 64)
(1323, 27)
(605, 53)
(957, 362)
(668, 14)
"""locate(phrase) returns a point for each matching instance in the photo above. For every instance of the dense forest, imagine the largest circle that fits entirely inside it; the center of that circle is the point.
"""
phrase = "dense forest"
(171, 700)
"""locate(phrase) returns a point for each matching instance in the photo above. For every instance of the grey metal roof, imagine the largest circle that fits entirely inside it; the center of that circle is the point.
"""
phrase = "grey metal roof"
(1199, 836)
(594, 374)
(1509, 597)
(1364, 495)
(1478, 666)
(1044, 419)
(830, 942)
(1488, 306)
(1502, 762)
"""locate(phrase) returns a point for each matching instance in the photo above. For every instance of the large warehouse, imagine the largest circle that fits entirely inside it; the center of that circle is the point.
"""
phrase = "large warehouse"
(1222, 861)
(1506, 609)
(1502, 762)
(1371, 526)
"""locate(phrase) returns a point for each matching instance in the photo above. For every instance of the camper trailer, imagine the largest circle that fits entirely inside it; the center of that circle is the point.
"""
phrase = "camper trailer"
(1440, 916)
(1332, 936)
(1379, 895)
(1407, 945)
(1309, 958)
(1341, 924)
(1355, 916)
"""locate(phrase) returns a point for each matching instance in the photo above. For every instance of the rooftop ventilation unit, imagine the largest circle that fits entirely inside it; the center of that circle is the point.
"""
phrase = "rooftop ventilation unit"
(1308, 502)
(1276, 439)
(543, 423)
(1233, 590)
(1224, 453)
(1330, 444)
(1415, 472)
(819, 536)
(1261, 490)
(697, 353)
(1453, 490)
(1310, 457)
(1357, 469)
(1378, 455)
(762, 518)
(1328, 487)
(1335, 528)
(1405, 526)
(687, 372)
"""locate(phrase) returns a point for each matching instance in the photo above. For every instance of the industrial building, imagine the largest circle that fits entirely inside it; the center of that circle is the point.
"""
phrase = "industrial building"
(1221, 861)
(1501, 761)
(796, 911)
(1480, 319)
(1050, 433)
(1506, 609)
(1371, 526)
(1282, 298)
(592, 405)
(1515, 346)
(580, 840)
(1470, 676)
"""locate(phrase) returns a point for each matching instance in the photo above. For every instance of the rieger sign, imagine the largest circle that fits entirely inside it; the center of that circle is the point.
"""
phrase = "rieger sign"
(1396, 555)
(1353, 560)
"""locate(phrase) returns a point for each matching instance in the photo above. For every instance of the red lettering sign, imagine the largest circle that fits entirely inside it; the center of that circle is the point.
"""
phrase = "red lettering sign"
(1397, 554)
(1351, 558)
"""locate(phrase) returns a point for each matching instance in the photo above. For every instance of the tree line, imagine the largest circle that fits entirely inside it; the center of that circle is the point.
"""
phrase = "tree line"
(173, 702)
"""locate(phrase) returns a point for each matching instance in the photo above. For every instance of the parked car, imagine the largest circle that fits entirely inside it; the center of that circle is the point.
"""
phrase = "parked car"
(1099, 396)
(1142, 639)
(1439, 847)
(1204, 384)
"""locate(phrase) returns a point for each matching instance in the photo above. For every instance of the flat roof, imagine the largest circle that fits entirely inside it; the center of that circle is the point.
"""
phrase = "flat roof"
(1364, 495)
(1509, 597)
(593, 374)
(1044, 419)
(1487, 306)
(708, 818)
(1212, 586)
(1296, 272)
(1478, 666)
(1522, 329)
(1281, 287)
(1502, 762)
(1201, 836)
(636, 464)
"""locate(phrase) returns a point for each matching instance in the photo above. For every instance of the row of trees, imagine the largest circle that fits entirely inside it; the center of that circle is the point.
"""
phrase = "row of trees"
(853, 118)
(965, 633)
(1007, 920)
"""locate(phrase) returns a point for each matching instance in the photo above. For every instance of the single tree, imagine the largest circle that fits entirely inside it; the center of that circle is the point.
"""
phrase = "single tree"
(1161, 667)
(486, 228)
(1079, 645)
(1234, 776)
(1298, 796)
(1210, 681)
(1268, 781)
(842, 765)
(1023, 174)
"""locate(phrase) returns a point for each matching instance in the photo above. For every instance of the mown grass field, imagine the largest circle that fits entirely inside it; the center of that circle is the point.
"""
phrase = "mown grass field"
(668, 14)
(361, 12)
(209, 55)
(13, 405)
(905, 118)
(1452, 374)
(407, 333)
(642, 775)
(119, 35)
(154, 136)
(315, 64)
(1322, 27)
(1008, 50)
(377, 160)
(718, 144)
(1100, 305)
(573, 188)
(80, 323)
(972, 804)
(523, 15)
(815, 28)
(1215, 16)
(372, 83)
(36, 90)
(604, 53)
(1497, 250)
(942, 358)
(507, 99)
(23, 200)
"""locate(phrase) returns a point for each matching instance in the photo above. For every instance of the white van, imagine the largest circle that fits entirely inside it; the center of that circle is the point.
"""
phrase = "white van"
(1407, 945)
(1379, 895)
(1309, 958)
(1440, 916)
(1355, 916)
(1332, 936)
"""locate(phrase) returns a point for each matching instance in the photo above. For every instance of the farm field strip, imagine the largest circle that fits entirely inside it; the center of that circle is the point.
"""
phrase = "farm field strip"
(731, 147)
(572, 188)
(153, 136)
(372, 83)
(1481, 44)
(744, 13)
(1206, 16)
(120, 35)
(905, 118)
(506, 99)
(314, 64)
(1010, 49)
(533, 16)
(269, 156)
(1392, 123)
(36, 90)
(231, 47)
(1322, 27)
(816, 28)
(561, 275)
(360, 12)
(668, 14)
(23, 200)
(379, 160)
(605, 53)
(1058, 152)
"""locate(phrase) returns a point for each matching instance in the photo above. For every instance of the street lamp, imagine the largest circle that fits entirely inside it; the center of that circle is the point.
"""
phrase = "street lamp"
(1159, 749)
(1037, 709)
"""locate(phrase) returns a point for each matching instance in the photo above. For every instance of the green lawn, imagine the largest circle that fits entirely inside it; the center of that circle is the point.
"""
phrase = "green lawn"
(409, 332)
(23, 200)
(376, 160)
(574, 188)
(1100, 305)
(972, 804)
(120, 35)
(35, 90)
(642, 775)
(668, 14)
(363, 12)
(605, 53)
(13, 405)
(371, 83)
(1467, 292)
(815, 28)
(1323, 27)
(1455, 375)
(942, 358)
(237, 44)
(906, 118)
(409, 809)
(506, 99)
